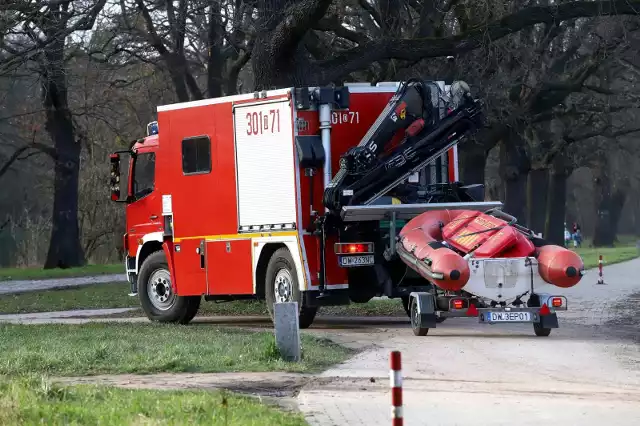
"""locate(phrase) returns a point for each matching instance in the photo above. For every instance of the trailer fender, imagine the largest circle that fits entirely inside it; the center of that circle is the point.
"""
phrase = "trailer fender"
(426, 309)
(549, 320)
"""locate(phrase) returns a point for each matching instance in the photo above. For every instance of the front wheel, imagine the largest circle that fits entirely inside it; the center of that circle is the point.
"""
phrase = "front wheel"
(282, 286)
(157, 298)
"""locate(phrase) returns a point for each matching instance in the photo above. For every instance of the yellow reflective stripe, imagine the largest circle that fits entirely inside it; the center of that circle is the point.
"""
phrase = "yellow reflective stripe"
(225, 237)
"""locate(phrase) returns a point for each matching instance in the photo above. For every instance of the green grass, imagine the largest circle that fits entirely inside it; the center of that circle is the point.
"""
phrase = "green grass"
(95, 296)
(115, 295)
(40, 273)
(34, 400)
(103, 348)
(625, 249)
(610, 255)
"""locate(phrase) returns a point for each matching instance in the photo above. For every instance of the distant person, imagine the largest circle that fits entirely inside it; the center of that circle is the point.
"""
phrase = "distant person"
(577, 235)
(567, 236)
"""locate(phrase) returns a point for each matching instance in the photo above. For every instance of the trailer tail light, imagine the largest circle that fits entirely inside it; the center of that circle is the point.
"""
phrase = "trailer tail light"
(458, 304)
(353, 248)
(555, 302)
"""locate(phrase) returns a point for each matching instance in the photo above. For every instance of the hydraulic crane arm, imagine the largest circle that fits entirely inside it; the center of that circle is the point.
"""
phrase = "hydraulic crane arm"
(367, 172)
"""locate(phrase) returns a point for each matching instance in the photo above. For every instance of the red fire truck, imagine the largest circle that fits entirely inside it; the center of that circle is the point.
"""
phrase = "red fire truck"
(294, 194)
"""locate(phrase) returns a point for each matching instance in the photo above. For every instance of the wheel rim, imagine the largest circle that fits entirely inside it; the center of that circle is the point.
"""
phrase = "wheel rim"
(283, 286)
(414, 317)
(159, 290)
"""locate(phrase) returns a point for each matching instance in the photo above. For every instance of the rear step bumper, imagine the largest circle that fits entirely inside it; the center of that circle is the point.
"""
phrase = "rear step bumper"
(428, 314)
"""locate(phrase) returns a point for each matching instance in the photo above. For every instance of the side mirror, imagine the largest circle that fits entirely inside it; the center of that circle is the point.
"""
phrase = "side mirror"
(116, 180)
(115, 177)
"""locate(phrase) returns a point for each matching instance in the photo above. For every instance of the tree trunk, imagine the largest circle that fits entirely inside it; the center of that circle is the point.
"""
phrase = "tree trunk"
(65, 249)
(557, 201)
(537, 194)
(273, 70)
(473, 161)
(278, 58)
(215, 60)
(177, 77)
(636, 218)
(603, 235)
(514, 168)
(618, 200)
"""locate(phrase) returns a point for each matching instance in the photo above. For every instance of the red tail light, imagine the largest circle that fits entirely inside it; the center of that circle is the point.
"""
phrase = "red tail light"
(556, 302)
(458, 304)
(353, 248)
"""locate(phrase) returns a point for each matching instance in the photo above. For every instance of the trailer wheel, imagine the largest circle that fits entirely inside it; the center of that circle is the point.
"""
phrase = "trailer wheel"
(405, 305)
(157, 298)
(418, 331)
(282, 286)
(541, 331)
(534, 302)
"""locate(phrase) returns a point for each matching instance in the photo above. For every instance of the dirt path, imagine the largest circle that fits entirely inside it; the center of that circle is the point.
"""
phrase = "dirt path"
(264, 384)
(467, 373)
(24, 286)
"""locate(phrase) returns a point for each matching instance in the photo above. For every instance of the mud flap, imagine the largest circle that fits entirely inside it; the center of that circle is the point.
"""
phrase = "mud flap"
(426, 307)
(549, 320)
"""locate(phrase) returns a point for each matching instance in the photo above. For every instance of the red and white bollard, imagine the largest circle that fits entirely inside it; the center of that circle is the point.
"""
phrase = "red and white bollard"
(600, 278)
(395, 379)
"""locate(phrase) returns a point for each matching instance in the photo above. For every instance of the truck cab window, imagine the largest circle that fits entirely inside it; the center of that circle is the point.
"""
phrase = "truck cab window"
(196, 155)
(144, 174)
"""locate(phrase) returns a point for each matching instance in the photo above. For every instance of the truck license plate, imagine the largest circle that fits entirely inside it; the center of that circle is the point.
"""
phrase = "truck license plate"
(508, 316)
(350, 261)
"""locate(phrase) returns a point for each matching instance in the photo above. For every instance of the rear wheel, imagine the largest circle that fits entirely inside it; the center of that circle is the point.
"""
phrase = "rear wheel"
(157, 298)
(281, 285)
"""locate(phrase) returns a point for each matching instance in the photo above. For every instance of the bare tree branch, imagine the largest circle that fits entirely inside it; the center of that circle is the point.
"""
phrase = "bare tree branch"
(298, 19)
(19, 151)
(410, 49)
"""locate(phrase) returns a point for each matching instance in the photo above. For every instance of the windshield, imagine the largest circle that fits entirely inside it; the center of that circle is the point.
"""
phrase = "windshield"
(144, 167)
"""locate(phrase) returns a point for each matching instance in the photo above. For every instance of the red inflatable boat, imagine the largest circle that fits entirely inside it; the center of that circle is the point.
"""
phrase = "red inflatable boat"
(438, 245)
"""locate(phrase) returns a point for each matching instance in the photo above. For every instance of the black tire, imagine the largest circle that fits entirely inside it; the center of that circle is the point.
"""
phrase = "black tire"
(192, 309)
(405, 305)
(281, 266)
(418, 331)
(154, 274)
(541, 331)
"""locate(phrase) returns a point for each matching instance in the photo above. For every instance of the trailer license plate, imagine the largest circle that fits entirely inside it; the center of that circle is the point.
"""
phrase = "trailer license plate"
(509, 316)
(349, 261)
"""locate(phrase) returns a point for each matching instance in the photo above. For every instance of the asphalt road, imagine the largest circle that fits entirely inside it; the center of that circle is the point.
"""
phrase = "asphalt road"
(587, 372)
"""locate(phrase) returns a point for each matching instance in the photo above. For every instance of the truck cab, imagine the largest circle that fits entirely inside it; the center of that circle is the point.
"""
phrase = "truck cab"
(133, 182)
